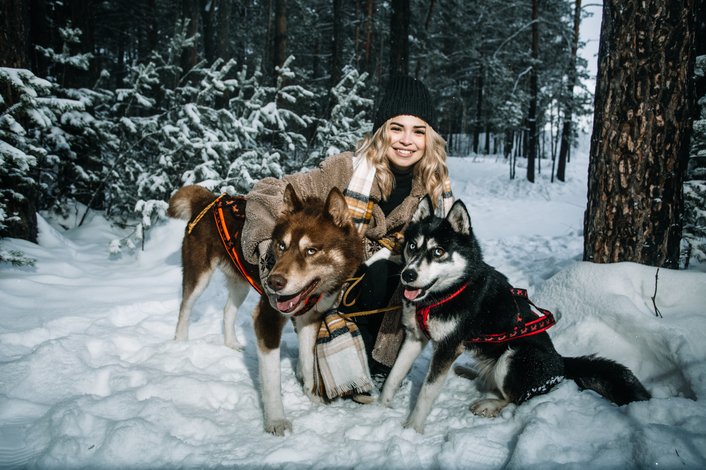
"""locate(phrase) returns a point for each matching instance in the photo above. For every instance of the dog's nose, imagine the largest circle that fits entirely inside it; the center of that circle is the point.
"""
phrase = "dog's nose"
(276, 282)
(409, 275)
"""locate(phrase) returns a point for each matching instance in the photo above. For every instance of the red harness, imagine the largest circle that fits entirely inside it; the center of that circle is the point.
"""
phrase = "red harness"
(229, 214)
(537, 319)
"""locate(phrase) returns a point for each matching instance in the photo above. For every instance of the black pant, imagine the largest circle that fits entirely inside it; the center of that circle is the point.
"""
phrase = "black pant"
(374, 290)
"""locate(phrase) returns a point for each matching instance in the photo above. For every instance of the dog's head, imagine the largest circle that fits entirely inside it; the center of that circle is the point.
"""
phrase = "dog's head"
(316, 248)
(439, 253)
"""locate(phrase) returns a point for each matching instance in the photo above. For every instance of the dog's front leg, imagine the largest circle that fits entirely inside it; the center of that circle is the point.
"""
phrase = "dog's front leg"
(410, 350)
(441, 361)
(307, 331)
(268, 325)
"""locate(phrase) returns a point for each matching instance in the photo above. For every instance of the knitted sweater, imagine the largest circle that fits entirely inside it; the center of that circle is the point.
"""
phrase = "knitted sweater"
(264, 203)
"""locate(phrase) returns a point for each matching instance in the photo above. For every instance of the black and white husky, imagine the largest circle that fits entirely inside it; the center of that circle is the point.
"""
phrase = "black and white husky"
(459, 302)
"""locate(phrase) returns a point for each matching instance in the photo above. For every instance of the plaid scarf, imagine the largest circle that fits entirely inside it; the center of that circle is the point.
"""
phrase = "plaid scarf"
(340, 356)
(357, 194)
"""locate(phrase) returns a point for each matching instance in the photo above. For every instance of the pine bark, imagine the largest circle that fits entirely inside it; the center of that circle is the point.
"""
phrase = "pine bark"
(640, 141)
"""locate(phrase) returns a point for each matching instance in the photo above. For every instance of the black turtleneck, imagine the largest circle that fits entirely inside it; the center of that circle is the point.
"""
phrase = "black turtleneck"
(401, 189)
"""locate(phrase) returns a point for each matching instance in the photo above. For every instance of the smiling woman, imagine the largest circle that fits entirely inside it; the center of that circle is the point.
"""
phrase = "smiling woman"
(407, 141)
(392, 169)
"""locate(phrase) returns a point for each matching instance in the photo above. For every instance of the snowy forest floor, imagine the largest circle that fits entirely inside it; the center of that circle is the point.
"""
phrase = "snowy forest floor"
(91, 378)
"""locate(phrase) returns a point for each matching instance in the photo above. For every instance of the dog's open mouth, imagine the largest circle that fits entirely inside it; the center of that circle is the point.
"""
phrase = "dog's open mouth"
(415, 294)
(411, 294)
(289, 303)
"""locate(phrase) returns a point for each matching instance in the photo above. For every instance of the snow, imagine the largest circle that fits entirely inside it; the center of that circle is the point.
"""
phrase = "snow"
(90, 376)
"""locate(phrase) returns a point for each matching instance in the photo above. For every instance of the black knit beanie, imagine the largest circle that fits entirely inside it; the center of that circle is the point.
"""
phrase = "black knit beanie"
(405, 95)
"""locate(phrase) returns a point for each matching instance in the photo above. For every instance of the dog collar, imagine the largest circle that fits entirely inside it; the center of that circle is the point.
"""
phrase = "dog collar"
(529, 321)
(423, 312)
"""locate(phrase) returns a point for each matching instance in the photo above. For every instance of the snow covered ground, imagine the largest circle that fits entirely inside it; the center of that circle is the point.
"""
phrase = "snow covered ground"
(90, 376)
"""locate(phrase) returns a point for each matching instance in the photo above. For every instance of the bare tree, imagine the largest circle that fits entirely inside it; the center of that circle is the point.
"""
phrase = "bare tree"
(568, 106)
(532, 115)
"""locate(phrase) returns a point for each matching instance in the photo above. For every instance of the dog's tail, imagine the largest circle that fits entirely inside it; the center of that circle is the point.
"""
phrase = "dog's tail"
(187, 200)
(612, 380)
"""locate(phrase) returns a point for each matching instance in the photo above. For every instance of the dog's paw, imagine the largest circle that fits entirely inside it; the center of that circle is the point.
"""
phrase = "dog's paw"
(414, 424)
(363, 398)
(488, 408)
(385, 400)
(181, 336)
(278, 426)
(234, 345)
(313, 396)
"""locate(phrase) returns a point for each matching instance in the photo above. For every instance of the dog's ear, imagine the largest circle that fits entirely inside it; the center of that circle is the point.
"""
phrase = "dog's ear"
(424, 209)
(337, 207)
(459, 218)
(292, 203)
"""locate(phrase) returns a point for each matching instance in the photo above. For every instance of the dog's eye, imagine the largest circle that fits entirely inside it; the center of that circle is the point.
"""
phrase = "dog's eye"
(438, 252)
(411, 246)
(311, 251)
(281, 246)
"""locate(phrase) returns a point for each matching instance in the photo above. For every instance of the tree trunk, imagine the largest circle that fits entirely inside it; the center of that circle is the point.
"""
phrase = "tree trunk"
(14, 36)
(190, 12)
(640, 141)
(479, 111)
(280, 44)
(569, 106)
(368, 48)
(336, 43)
(399, 37)
(532, 114)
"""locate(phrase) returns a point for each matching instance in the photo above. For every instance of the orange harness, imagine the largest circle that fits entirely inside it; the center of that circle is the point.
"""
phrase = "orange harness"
(229, 214)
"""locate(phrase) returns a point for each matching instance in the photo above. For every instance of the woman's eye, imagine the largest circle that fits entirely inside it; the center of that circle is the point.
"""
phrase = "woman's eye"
(438, 252)
(311, 251)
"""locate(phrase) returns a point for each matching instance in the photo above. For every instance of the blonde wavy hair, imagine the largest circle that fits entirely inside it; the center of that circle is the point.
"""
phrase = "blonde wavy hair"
(431, 168)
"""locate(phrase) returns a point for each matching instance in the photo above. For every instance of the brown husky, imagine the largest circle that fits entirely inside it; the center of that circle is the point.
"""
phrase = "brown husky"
(315, 247)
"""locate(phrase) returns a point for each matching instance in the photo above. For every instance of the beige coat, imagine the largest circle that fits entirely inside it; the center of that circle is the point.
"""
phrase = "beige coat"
(264, 204)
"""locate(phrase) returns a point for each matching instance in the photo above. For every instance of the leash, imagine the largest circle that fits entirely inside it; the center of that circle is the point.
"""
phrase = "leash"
(203, 212)
(353, 282)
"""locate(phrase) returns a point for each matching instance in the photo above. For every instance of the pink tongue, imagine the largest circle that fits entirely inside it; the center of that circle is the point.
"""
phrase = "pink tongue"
(411, 294)
(289, 304)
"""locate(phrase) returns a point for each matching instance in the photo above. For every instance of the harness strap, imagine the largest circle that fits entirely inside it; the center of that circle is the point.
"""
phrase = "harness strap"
(423, 313)
(542, 321)
(236, 205)
(198, 218)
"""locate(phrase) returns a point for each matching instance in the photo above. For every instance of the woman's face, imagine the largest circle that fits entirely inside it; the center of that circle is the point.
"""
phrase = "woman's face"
(408, 140)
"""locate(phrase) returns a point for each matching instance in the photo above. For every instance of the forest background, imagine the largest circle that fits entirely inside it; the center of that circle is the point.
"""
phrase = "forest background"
(111, 105)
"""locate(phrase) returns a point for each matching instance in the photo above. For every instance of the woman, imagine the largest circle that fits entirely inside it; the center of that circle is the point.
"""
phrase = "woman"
(402, 160)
